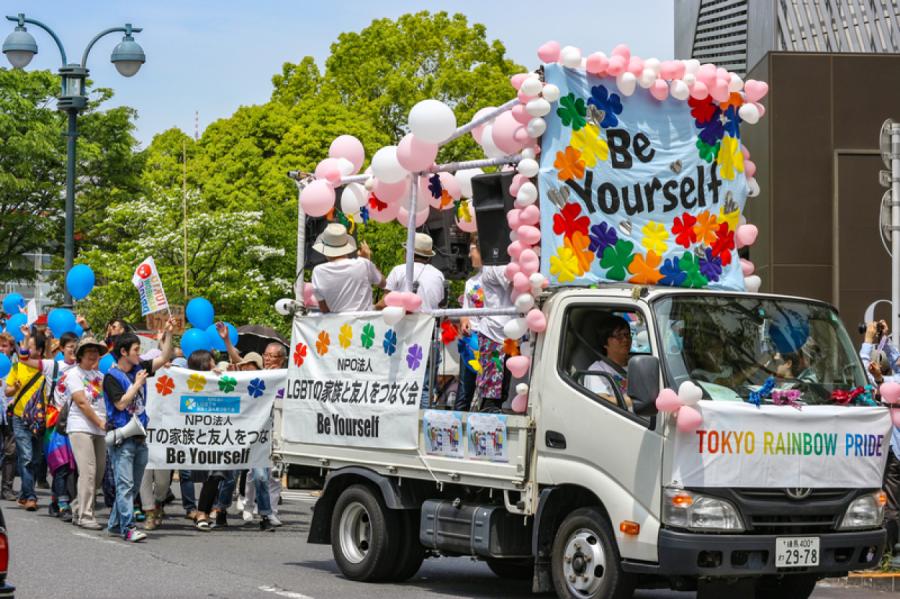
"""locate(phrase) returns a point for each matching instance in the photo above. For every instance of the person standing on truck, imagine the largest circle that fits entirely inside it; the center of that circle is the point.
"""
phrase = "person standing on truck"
(428, 282)
(344, 284)
(473, 297)
(492, 382)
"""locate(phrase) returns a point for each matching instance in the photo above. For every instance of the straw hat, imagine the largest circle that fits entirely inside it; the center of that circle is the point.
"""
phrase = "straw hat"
(252, 358)
(335, 241)
(87, 343)
(423, 246)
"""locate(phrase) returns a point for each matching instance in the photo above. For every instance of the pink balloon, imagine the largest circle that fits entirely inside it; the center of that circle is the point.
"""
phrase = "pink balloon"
(689, 419)
(529, 262)
(517, 79)
(659, 90)
(895, 417)
(749, 168)
(515, 248)
(520, 404)
(616, 65)
(511, 270)
(668, 69)
(549, 52)
(520, 114)
(536, 320)
(754, 90)
(477, 131)
(391, 192)
(347, 146)
(746, 235)
(760, 108)
(529, 235)
(745, 152)
(386, 215)
(518, 365)
(747, 267)
(597, 64)
(529, 215)
(467, 226)
(421, 216)
(512, 219)
(504, 133)
(719, 90)
(517, 182)
(411, 301)
(707, 74)
(523, 97)
(890, 392)
(330, 170)
(317, 198)
(520, 282)
(394, 298)
(309, 297)
(667, 401)
(699, 91)
(414, 154)
(521, 136)
(448, 184)
(622, 50)
(635, 65)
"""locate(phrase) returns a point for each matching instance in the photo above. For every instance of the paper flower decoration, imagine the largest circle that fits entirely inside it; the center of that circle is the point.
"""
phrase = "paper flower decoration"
(227, 384)
(165, 385)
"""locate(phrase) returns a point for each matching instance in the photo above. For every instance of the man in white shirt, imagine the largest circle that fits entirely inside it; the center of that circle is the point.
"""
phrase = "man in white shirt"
(428, 282)
(344, 284)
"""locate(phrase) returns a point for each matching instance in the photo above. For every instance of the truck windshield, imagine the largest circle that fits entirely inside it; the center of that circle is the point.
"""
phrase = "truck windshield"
(731, 345)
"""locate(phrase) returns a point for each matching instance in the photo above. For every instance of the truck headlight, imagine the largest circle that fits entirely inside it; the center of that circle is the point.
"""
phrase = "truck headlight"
(865, 512)
(685, 509)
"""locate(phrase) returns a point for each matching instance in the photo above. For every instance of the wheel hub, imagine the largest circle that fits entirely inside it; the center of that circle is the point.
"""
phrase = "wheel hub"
(355, 532)
(584, 563)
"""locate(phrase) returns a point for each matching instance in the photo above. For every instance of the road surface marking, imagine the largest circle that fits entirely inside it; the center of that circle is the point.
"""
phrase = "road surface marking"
(94, 537)
(284, 593)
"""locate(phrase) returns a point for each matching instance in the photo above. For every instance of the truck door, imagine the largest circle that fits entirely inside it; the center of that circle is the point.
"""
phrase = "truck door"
(586, 434)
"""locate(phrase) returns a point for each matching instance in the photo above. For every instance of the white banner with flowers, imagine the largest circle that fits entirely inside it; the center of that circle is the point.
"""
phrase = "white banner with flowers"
(210, 421)
(356, 381)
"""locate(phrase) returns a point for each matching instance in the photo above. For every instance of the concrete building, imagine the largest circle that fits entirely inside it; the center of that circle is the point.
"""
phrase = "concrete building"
(834, 77)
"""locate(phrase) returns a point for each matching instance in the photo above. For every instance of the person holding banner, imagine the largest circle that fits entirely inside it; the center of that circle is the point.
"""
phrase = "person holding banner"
(125, 389)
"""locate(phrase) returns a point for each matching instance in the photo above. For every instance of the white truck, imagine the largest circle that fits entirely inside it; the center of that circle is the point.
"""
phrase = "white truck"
(599, 494)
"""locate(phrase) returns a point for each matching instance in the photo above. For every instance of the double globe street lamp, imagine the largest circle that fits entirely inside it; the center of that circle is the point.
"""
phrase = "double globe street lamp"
(128, 56)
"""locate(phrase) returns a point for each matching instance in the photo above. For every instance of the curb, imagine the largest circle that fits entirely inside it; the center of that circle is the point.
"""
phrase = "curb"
(883, 581)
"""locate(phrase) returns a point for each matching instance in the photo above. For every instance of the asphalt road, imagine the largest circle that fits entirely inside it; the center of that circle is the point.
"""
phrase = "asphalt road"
(53, 560)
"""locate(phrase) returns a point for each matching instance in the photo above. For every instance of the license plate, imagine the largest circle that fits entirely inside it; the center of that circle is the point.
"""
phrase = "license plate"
(796, 552)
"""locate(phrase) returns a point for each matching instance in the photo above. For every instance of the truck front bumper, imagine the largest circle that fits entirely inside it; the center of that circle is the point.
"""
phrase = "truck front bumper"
(716, 555)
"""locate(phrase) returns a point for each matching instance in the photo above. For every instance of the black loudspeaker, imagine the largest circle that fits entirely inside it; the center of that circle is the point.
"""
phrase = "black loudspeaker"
(451, 245)
(492, 201)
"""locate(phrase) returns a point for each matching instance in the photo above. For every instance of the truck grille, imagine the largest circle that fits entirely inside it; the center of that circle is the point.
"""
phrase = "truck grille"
(791, 524)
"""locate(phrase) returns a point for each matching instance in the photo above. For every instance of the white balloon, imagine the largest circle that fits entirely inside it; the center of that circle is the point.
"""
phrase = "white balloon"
(487, 143)
(648, 77)
(690, 79)
(538, 107)
(352, 198)
(393, 314)
(464, 179)
(752, 283)
(680, 90)
(749, 113)
(753, 187)
(515, 328)
(692, 65)
(736, 84)
(369, 184)
(524, 303)
(689, 393)
(432, 121)
(653, 64)
(536, 127)
(626, 82)
(537, 279)
(345, 166)
(386, 167)
(570, 56)
(528, 167)
(528, 193)
(513, 236)
(531, 86)
(550, 92)
(528, 154)
(522, 389)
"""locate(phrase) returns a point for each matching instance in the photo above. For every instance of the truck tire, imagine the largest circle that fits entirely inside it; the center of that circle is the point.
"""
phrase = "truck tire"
(411, 553)
(512, 569)
(797, 586)
(585, 561)
(364, 535)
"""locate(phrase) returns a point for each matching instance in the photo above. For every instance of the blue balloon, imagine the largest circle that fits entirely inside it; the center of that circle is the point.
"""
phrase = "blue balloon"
(15, 323)
(61, 321)
(59, 357)
(216, 341)
(78, 330)
(106, 363)
(200, 312)
(193, 340)
(5, 366)
(80, 281)
(13, 303)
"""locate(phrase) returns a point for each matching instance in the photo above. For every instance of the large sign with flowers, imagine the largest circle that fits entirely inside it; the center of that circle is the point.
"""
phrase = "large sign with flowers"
(356, 380)
(640, 190)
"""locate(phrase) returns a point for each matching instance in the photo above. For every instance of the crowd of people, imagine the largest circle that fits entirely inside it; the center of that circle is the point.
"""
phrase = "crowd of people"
(60, 407)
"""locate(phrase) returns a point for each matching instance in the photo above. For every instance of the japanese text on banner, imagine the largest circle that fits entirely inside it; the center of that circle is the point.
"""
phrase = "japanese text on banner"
(205, 421)
(356, 381)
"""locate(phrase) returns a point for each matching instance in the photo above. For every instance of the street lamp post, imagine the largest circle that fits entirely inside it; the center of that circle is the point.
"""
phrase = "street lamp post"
(127, 56)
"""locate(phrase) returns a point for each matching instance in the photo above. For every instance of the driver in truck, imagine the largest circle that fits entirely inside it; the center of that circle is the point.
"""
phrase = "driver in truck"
(614, 338)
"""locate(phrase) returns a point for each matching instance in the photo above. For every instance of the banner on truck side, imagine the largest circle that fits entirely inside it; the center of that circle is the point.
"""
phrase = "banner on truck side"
(150, 288)
(354, 380)
(740, 445)
(639, 190)
(205, 421)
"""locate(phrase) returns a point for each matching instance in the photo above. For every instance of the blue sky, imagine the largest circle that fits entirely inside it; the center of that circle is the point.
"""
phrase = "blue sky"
(212, 57)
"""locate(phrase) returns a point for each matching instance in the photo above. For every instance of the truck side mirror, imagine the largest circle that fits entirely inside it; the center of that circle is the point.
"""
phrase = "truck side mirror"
(643, 383)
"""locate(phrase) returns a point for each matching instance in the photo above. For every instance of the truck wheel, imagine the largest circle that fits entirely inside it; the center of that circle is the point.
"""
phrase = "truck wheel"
(513, 569)
(411, 552)
(364, 535)
(797, 586)
(585, 560)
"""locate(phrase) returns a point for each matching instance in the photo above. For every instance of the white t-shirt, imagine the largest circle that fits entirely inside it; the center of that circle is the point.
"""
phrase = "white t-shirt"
(346, 285)
(91, 383)
(473, 297)
(430, 280)
(497, 290)
(59, 392)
